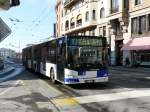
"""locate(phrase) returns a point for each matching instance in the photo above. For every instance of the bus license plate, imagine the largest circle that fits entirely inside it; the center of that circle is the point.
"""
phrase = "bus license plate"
(89, 81)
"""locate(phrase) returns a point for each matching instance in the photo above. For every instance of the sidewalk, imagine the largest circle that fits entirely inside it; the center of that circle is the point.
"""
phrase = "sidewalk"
(6, 71)
(131, 69)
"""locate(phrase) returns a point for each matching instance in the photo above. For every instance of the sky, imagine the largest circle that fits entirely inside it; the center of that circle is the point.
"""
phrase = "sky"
(35, 23)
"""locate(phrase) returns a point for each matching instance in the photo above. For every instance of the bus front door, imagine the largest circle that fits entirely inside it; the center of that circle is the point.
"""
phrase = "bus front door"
(60, 64)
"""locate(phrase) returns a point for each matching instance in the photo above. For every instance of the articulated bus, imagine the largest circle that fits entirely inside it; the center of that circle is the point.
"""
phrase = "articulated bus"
(69, 59)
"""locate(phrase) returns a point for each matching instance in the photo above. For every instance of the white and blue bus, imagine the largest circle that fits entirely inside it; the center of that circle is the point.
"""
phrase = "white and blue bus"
(69, 59)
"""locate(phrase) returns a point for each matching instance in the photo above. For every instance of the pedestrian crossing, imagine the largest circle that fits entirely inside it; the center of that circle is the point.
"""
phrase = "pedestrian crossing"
(101, 97)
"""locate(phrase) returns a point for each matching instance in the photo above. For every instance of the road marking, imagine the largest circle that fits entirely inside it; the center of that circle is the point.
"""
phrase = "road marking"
(9, 89)
(102, 97)
(43, 104)
(52, 88)
(65, 102)
(147, 77)
(22, 83)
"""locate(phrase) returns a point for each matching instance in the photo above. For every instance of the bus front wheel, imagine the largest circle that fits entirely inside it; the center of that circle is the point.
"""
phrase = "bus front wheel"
(52, 75)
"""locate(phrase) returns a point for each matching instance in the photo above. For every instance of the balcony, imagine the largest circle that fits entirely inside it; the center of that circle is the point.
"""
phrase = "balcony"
(69, 3)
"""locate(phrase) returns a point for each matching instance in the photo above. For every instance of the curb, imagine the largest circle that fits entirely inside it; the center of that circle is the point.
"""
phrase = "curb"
(129, 70)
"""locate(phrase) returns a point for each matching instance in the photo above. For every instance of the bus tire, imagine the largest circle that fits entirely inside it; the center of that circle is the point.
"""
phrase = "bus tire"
(52, 75)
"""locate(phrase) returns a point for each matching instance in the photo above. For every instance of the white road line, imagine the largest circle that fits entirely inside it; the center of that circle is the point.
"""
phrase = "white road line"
(112, 96)
(9, 89)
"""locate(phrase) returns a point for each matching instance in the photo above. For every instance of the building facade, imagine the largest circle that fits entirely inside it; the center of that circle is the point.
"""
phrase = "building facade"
(120, 21)
(4, 53)
(58, 18)
(140, 32)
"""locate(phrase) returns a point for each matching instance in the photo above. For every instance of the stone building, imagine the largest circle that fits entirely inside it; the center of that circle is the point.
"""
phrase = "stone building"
(120, 21)
(138, 47)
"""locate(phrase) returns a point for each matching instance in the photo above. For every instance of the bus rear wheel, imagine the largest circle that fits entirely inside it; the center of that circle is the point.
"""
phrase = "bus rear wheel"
(52, 75)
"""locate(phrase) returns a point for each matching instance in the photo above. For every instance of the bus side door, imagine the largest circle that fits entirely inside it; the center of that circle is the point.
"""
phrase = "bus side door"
(61, 50)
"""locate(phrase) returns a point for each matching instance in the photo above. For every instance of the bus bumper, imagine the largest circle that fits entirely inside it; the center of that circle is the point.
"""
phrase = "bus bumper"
(87, 80)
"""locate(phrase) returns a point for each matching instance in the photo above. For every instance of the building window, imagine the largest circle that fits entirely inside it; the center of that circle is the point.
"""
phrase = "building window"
(79, 20)
(62, 27)
(87, 16)
(67, 25)
(114, 6)
(142, 27)
(72, 23)
(126, 4)
(137, 2)
(135, 25)
(100, 31)
(104, 30)
(62, 13)
(102, 13)
(149, 22)
(139, 25)
(94, 14)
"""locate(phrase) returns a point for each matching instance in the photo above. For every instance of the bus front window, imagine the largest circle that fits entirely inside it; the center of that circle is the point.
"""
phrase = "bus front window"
(85, 57)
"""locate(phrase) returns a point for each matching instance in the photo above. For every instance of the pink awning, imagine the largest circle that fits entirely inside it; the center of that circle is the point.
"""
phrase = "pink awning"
(142, 43)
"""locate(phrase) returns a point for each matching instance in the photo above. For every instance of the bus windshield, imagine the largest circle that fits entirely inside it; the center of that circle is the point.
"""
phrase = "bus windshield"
(85, 57)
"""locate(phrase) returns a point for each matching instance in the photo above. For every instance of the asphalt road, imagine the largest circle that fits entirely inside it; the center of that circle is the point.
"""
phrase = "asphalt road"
(30, 92)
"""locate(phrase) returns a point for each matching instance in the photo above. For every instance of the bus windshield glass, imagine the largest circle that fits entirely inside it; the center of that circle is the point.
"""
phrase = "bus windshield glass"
(86, 52)
(86, 57)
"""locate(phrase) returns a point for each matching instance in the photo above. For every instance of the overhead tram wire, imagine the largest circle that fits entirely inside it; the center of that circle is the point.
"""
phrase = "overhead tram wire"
(37, 19)
(42, 19)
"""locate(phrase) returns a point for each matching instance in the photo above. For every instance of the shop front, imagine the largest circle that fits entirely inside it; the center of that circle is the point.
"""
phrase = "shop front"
(141, 58)
(140, 51)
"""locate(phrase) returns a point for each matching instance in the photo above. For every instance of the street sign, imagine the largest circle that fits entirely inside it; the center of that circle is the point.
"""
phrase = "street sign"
(4, 30)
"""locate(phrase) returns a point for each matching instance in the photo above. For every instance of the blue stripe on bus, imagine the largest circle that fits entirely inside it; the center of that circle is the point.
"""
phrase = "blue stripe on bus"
(102, 73)
(71, 80)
